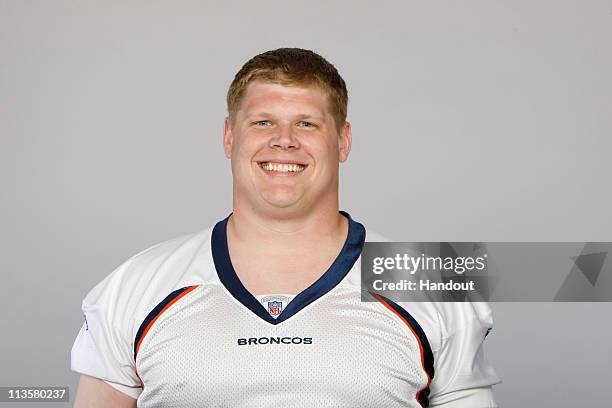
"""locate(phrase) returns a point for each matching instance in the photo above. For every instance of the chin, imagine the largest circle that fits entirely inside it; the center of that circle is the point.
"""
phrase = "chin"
(280, 193)
(281, 203)
(280, 199)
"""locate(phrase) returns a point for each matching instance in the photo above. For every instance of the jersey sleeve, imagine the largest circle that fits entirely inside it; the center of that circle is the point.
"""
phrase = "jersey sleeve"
(103, 348)
(463, 377)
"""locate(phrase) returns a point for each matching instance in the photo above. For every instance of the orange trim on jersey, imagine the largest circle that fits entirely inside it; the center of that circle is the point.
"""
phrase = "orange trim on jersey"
(385, 304)
(146, 330)
(176, 299)
(140, 379)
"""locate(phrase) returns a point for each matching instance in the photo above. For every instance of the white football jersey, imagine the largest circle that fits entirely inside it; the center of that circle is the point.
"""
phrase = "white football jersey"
(174, 327)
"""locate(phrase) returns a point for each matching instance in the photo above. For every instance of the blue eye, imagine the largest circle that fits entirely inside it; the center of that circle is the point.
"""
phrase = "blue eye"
(305, 124)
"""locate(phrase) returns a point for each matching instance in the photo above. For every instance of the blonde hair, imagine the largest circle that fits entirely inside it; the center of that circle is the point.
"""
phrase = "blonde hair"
(292, 67)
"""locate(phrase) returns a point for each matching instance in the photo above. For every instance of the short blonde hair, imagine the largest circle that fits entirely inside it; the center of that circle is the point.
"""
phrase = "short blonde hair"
(292, 67)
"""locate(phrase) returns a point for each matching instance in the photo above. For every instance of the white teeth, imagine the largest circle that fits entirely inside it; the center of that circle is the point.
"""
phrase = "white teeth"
(281, 167)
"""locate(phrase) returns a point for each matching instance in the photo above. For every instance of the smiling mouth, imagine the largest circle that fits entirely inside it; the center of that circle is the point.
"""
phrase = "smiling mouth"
(281, 168)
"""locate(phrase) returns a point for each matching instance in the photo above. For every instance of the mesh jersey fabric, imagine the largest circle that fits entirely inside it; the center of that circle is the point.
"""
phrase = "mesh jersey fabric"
(172, 327)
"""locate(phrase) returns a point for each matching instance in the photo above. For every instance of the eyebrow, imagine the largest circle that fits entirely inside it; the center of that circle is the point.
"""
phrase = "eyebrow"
(301, 116)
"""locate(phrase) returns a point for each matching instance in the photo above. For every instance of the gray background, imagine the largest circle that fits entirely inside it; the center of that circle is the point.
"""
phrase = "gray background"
(473, 121)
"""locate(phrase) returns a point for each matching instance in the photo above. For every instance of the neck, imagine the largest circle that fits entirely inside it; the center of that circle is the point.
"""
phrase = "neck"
(281, 230)
(281, 255)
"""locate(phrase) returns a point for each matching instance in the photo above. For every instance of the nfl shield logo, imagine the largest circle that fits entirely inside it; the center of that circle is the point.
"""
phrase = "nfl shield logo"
(275, 308)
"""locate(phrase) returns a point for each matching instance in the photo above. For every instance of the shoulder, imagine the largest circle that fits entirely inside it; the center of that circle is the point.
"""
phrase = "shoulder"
(439, 320)
(116, 307)
(129, 292)
(443, 321)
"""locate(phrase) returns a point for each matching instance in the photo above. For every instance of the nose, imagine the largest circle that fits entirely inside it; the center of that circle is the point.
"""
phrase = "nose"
(284, 138)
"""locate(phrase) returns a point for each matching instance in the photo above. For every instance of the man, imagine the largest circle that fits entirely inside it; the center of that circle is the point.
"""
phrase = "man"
(265, 308)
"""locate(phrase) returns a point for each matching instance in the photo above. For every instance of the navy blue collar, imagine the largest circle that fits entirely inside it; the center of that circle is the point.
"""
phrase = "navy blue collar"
(333, 276)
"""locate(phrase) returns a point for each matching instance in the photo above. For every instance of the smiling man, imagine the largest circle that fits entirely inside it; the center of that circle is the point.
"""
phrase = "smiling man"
(264, 308)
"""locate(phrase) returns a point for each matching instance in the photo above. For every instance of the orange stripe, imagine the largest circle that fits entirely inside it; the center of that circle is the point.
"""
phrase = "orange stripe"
(385, 304)
(146, 330)
(139, 379)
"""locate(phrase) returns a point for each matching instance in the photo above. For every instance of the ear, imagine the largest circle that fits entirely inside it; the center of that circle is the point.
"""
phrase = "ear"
(345, 141)
(228, 139)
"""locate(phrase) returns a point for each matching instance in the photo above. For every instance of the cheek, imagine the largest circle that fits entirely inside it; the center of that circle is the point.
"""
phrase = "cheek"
(320, 147)
(240, 156)
(246, 148)
(325, 153)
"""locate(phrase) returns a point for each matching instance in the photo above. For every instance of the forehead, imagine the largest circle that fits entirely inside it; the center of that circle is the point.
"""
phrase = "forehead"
(267, 96)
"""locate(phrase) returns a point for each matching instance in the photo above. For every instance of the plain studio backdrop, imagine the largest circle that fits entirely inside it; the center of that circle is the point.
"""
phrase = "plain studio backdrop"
(473, 121)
